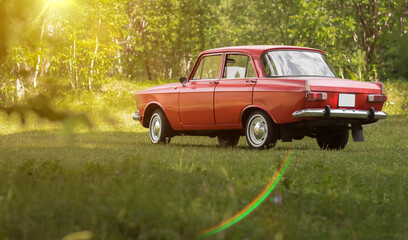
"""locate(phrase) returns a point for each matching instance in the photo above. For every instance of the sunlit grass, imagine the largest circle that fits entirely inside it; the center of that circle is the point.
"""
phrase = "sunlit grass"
(112, 183)
(117, 185)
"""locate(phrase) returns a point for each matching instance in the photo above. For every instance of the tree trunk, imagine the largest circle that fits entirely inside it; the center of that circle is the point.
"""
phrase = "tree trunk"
(39, 56)
(70, 68)
(75, 63)
(149, 74)
(93, 59)
(367, 16)
(119, 55)
(20, 89)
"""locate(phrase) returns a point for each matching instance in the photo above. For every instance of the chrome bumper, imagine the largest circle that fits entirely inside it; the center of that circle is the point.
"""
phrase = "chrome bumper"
(339, 113)
(136, 116)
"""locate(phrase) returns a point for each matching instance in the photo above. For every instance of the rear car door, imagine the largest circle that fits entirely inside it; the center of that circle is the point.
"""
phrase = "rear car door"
(196, 100)
(234, 91)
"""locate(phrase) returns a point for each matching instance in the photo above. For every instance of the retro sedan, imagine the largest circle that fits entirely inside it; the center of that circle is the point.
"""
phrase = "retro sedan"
(265, 93)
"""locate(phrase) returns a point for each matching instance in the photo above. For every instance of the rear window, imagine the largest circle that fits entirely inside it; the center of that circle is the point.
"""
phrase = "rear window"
(296, 63)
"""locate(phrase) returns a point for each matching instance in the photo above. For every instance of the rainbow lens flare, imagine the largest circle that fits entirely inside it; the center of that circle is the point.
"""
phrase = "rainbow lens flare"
(254, 203)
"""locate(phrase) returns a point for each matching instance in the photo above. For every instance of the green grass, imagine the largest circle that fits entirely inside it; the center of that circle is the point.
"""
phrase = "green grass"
(113, 182)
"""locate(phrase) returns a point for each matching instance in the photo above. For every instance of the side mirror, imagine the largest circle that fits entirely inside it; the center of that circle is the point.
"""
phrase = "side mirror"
(183, 81)
(230, 60)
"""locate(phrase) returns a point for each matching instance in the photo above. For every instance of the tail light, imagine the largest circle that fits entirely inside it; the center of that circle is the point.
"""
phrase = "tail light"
(376, 98)
(316, 96)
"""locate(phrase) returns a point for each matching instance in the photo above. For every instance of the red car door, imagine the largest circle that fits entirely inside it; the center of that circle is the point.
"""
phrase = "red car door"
(234, 91)
(196, 102)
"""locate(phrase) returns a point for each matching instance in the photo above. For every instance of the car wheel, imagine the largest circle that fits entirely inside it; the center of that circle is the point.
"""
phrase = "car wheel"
(159, 128)
(260, 131)
(228, 141)
(332, 139)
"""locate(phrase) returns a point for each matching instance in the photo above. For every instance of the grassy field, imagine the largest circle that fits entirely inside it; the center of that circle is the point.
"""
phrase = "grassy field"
(112, 183)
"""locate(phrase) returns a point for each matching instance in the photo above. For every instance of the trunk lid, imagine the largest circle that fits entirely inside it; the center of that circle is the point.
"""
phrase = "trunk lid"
(323, 84)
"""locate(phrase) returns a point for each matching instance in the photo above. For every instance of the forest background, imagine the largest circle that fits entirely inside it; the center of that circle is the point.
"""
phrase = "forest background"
(82, 61)
(59, 46)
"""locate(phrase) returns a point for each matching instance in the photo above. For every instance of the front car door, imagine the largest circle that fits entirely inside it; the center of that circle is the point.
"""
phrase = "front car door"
(196, 100)
(234, 91)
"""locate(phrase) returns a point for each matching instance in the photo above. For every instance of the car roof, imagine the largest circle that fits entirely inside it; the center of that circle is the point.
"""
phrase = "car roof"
(257, 49)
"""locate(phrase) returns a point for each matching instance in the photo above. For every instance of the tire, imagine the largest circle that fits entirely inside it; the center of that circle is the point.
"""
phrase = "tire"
(228, 141)
(332, 139)
(260, 131)
(159, 128)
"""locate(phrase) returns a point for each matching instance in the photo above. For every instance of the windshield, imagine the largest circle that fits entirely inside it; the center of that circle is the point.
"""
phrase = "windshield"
(296, 63)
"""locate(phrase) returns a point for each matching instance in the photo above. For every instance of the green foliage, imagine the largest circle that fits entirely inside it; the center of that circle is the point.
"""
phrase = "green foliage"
(397, 94)
(87, 41)
(54, 46)
(40, 105)
(396, 57)
(357, 64)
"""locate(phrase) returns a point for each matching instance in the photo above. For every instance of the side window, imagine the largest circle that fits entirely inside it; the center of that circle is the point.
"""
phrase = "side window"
(208, 68)
(268, 66)
(250, 69)
(238, 66)
(197, 74)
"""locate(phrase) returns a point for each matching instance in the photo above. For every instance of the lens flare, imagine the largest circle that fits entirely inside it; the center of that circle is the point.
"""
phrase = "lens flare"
(47, 5)
(55, 4)
(277, 199)
(254, 204)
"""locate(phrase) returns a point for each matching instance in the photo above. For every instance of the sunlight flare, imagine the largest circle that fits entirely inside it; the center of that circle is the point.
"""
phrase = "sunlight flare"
(50, 4)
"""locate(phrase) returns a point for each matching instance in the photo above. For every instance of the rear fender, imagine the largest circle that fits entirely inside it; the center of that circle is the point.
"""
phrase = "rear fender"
(250, 108)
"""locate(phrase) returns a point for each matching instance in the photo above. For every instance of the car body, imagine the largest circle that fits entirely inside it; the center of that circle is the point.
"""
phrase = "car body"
(264, 92)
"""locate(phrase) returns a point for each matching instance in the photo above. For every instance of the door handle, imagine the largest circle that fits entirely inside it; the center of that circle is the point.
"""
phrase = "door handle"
(215, 82)
(252, 80)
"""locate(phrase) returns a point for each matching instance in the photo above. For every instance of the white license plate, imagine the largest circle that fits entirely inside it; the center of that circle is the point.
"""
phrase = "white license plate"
(347, 100)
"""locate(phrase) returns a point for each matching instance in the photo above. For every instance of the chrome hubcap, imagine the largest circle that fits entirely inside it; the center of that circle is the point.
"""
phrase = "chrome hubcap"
(257, 130)
(155, 128)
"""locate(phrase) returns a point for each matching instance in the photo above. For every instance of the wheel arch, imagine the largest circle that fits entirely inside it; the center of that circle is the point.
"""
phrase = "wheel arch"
(148, 112)
(250, 109)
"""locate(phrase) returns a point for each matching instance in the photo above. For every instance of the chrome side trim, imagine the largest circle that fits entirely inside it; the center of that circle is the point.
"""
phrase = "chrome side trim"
(340, 113)
(136, 116)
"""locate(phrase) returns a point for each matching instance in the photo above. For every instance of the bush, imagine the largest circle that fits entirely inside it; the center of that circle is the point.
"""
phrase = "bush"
(396, 58)
(397, 93)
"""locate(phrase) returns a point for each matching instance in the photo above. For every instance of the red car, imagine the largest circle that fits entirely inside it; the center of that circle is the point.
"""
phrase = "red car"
(266, 93)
